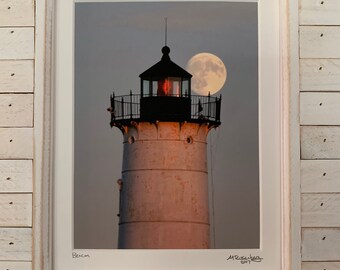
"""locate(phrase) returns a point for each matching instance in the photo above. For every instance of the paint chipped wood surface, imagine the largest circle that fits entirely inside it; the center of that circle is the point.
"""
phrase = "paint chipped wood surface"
(320, 210)
(9, 265)
(320, 108)
(319, 12)
(16, 143)
(320, 266)
(320, 74)
(16, 12)
(15, 210)
(17, 43)
(16, 76)
(16, 110)
(320, 142)
(320, 176)
(16, 244)
(319, 41)
(321, 244)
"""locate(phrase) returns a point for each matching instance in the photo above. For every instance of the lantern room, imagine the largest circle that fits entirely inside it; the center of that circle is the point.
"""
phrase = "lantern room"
(165, 91)
(165, 78)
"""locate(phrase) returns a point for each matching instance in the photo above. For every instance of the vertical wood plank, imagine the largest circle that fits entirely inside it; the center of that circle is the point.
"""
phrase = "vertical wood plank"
(321, 244)
(15, 210)
(320, 210)
(319, 41)
(16, 110)
(16, 76)
(16, 13)
(320, 142)
(15, 244)
(320, 108)
(320, 74)
(16, 143)
(321, 12)
(17, 43)
(9, 265)
(319, 176)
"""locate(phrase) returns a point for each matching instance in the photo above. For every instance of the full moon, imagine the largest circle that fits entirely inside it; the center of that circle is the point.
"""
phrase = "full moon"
(208, 73)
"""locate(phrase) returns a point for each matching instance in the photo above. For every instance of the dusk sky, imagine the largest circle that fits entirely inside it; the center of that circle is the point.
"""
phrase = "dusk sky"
(115, 42)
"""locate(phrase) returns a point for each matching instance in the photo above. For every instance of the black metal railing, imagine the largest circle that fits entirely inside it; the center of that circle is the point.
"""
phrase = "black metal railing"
(206, 107)
(127, 107)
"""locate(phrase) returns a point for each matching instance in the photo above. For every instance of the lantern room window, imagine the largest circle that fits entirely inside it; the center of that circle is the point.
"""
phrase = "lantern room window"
(169, 86)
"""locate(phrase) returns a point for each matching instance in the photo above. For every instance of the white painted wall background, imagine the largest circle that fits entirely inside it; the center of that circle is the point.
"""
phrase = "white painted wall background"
(23, 85)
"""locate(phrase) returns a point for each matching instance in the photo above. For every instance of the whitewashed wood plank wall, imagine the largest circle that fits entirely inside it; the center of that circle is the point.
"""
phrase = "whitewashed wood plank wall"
(17, 43)
(320, 74)
(15, 244)
(15, 265)
(320, 176)
(322, 12)
(16, 76)
(320, 133)
(321, 266)
(17, 13)
(16, 176)
(17, 60)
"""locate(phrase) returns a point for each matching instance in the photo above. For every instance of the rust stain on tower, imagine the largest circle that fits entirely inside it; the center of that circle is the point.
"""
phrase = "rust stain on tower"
(164, 192)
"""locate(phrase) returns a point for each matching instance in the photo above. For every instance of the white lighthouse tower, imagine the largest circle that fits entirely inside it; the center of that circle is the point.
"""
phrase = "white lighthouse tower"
(164, 186)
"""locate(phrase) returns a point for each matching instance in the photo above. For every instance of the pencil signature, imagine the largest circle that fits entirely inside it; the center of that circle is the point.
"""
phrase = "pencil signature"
(76, 255)
(245, 259)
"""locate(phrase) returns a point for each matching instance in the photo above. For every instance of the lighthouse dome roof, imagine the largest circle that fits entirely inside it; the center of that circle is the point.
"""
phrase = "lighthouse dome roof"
(164, 68)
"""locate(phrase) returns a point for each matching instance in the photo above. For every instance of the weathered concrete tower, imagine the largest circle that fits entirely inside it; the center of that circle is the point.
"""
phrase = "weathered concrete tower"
(164, 185)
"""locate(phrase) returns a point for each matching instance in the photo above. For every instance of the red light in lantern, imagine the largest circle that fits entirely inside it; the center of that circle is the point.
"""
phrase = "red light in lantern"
(163, 87)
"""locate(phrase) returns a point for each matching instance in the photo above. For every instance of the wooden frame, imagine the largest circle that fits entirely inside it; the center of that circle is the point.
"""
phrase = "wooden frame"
(289, 132)
(43, 185)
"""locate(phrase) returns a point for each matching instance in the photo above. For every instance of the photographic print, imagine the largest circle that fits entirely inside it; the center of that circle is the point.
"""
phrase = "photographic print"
(166, 127)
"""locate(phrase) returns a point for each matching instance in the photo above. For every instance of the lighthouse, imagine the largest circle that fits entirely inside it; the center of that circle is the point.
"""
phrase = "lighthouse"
(164, 202)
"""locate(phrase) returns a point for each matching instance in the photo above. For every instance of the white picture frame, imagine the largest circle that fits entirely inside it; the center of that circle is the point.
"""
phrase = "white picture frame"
(274, 217)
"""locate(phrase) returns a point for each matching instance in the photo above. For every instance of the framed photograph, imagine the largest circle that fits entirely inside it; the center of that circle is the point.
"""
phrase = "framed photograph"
(167, 135)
